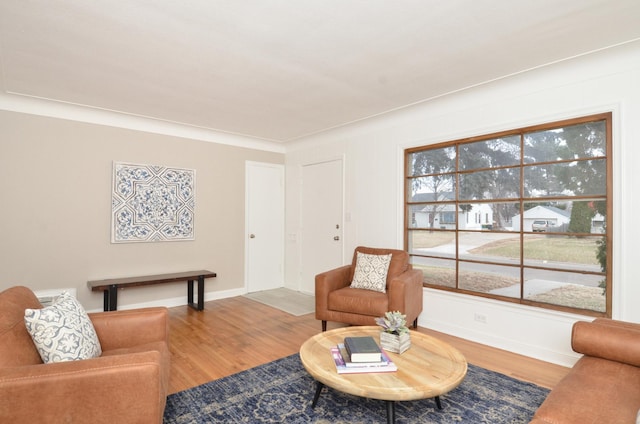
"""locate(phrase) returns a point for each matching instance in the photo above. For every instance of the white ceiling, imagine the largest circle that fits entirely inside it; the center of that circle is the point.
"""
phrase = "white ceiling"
(282, 69)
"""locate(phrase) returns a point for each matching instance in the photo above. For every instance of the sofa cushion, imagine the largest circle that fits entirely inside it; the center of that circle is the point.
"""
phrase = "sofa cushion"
(62, 331)
(371, 272)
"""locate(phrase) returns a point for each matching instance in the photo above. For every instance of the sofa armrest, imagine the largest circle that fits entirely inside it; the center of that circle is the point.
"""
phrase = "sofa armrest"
(405, 292)
(120, 329)
(329, 281)
(122, 388)
(608, 339)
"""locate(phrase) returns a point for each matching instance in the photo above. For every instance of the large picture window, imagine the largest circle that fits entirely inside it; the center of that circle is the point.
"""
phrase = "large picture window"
(522, 216)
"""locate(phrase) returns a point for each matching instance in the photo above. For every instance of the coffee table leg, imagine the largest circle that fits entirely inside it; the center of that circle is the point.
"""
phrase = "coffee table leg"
(319, 387)
(391, 412)
(438, 403)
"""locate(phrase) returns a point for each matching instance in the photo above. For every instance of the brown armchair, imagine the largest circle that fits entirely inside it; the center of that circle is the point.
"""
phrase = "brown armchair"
(337, 301)
(127, 384)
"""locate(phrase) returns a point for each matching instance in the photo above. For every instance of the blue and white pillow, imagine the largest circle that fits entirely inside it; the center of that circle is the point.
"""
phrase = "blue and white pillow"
(371, 272)
(63, 331)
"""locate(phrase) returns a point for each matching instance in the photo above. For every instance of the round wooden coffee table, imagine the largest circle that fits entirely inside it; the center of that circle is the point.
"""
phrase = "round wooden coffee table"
(429, 368)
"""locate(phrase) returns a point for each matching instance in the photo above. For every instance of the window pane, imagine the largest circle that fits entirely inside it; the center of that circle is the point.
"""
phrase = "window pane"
(435, 243)
(437, 188)
(475, 216)
(439, 216)
(585, 216)
(572, 142)
(490, 247)
(497, 216)
(577, 178)
(489, 278)
(565, 289)
(492, 153)
(564, 252)
(495, 184)
(441, 272)
(433, 161)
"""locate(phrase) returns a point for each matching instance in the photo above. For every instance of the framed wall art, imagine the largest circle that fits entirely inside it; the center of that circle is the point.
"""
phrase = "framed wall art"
(152, 203)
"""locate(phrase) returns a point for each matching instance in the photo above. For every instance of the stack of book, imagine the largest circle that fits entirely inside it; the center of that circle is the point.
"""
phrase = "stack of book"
(361, 355)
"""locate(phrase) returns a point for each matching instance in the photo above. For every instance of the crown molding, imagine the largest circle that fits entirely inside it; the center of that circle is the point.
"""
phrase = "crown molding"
(14, 102)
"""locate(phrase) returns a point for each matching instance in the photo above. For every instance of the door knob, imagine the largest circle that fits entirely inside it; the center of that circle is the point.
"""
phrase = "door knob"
(336, 238)
(252, 236)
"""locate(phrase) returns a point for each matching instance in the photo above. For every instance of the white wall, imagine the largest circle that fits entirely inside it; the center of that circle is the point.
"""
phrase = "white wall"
(373, 152)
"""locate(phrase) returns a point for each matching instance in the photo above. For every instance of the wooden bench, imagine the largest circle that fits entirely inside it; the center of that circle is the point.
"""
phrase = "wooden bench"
(110, 287)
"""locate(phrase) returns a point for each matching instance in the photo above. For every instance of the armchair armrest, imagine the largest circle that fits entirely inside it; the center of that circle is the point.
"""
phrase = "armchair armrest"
(128, 328)
(608, 339)
(329, 281)
(74, 391)
(405, 292)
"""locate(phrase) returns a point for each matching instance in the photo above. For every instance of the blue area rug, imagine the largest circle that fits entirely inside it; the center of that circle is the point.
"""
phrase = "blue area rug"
(282, 391)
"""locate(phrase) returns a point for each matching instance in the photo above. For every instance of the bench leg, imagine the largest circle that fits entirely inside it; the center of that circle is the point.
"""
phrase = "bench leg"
(200, 292)
(110, 298)
(200, 305)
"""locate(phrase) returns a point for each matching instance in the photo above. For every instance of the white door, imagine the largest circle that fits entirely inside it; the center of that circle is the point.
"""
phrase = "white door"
(321, 221)
(264, 222)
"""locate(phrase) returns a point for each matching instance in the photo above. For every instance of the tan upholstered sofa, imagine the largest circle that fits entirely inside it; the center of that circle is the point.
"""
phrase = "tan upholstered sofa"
(604, 385)
(127, 384)
(337, 301)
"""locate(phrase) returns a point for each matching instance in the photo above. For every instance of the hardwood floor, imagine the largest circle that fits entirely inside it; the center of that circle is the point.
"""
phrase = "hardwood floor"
(236, 334)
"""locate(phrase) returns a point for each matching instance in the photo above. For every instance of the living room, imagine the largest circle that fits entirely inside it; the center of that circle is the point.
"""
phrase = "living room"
(56, 161)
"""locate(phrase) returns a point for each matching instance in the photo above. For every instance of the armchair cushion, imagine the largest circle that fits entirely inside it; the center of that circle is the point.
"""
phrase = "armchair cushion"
(371, 272)
(62, 331)
(357, 301)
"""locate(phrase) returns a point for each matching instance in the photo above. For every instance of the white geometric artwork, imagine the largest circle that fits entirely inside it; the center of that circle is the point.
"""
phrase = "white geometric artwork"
(152, 203)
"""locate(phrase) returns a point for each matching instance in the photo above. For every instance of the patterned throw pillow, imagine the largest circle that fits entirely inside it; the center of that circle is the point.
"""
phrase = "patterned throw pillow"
(371, 272)
(62, 331)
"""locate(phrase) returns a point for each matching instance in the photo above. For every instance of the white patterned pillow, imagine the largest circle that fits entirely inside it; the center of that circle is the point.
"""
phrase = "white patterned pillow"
(371, 272)
(62, 331)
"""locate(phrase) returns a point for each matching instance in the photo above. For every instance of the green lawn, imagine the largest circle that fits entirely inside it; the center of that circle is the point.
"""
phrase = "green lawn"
(556, 248)
(538, 247)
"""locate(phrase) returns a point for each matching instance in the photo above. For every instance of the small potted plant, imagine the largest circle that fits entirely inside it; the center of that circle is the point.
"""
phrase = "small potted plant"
(395, 336)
